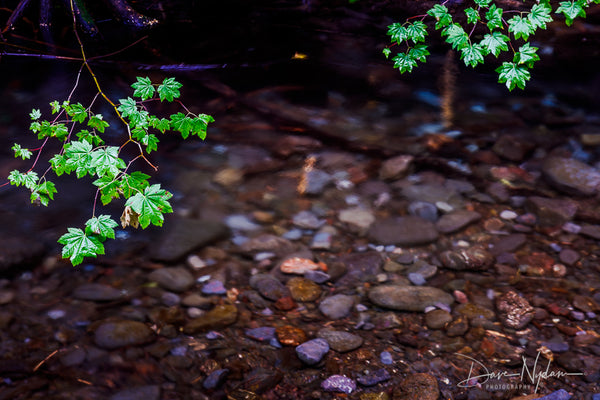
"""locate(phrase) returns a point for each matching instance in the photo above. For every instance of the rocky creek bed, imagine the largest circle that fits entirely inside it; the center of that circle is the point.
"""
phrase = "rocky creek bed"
(432, 264)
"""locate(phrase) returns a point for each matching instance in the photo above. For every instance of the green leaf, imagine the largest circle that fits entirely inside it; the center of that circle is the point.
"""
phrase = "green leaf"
(520, 27)
(151, 205)
(96, 122)
(134, 183)
(457, 36)
(386, 52)
(513, 75)
(143, 88)
(59, 164)
(472, 15)
(15, 177)
(526, 55)
(35, 114)
(77, 112)
(416, 31)
(151, 142)
(106, 161)
(79, 158)
(182, 123)
(77, 245)
(25, 154)
(494, 17)
(540, 15)
(495, 42)
(109, 188)
(162, 125)
(30, 180)
(169, 89)
(55, 107)
(90, 137)
(103, 226)
(472, 54)
(419, 53)
(43, 193)
(59, 131)
(404, 62)
(483, 3)
(201, 122)
(398, 33)
(128, 107)
(441, 15)
(571, 10)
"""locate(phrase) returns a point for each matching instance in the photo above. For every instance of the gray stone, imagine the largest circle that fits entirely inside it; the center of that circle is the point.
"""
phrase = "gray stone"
(403, 231)
(312, 351)
(357, 218)
(571, 176)
(337, 306)
(339, 383)
(551, 212)
(408, 298)
(96, 292)
(176, 279)
(340, 341)
(182, 236)
(437, 319)
(269, 287)
(115, 334)
(268, 243)
(456, 220)
(148, 392)
(395, 167)
(307, 220)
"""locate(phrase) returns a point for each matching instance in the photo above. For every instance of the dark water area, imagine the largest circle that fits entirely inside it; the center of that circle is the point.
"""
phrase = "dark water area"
(343, 232)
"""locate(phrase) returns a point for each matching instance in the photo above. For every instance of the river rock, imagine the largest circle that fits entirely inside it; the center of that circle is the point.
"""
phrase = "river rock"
(303, 289)
(571, 176)
(269, 287)
(437, 319)
(403, 231)
(115, 334)
(341, 341)
(268, 243)
(395, 167)
(418, 386)
(96, 292)
(220, 316)
(357, 218)
(408, 298)
(551, 212)
(339, 383)
(337, 306)
(183, 235)
(312, 351)
(514, 311)
(456, 220)
(176, 279)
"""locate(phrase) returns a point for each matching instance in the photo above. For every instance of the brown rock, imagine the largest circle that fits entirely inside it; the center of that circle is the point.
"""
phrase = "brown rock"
(419, 386)
(551, 212)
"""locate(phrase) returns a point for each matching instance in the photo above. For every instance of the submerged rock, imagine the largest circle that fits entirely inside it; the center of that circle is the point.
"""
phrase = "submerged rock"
(408, 298)
(514, 311)
(571, 176)
(218, 317)
(115, 334)
(403, 231)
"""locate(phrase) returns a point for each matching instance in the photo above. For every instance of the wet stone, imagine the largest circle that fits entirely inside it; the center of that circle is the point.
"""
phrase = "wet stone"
(303, 289)
(403, 231)
(551, 212)
(261, 334)
(359, 267)
(148, 392)
(213, 287)
(183, 235)
(592, 231)
(569, 257)
(269, 287)
(96, 292)
(337, 306)
(317, 276)
(374, 377)
(240, 223)
(268, 243)
(424, 210)
(508, 243)
(571, 176)
(307, 220)
(418, 386)
(437, 319)
(176, 279)
(6, 296)
(560, 394)
(114, 334)
(458, 327)
(298, 265)
(316, 181)
(514, 311)
(219, 317)
(474, 311)
(215, 378)
(358, 219)
(408, 298)
(339, 383)
(289, 335)
(456, 220)
(341, 341)
(395, 167)
(312, 351)
(473, 258)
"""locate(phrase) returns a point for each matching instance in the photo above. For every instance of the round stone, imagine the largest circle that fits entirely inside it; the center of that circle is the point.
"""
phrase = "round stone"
(437, 319)
(114, 334)
(337, 306)
(341, 341)
(408, 298)
(312, 351)
(303, 289)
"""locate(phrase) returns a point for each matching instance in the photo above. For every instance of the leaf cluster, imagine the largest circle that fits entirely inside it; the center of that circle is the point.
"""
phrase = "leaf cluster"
(502, 34)
(84, 152)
